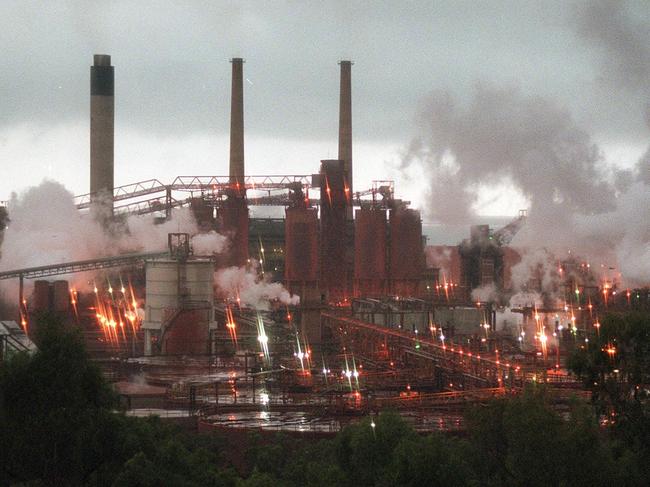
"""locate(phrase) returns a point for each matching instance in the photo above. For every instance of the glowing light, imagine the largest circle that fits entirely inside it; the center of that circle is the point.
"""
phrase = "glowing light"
(262, 337)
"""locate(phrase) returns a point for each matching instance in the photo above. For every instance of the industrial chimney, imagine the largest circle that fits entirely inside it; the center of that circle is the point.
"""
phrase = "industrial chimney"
(102, 116)
(345, 123)
(237, 124)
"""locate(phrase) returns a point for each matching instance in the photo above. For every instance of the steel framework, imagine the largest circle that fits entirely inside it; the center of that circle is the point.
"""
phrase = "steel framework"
(153, 196)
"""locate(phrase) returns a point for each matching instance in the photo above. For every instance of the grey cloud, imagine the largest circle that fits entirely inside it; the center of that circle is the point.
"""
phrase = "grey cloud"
(621, 32)
(172, 74)
(501, 134)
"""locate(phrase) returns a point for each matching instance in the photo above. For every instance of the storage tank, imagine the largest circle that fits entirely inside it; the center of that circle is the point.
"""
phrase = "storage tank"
(406, 252)
(301, 247)
(370, 252)
(172, 286)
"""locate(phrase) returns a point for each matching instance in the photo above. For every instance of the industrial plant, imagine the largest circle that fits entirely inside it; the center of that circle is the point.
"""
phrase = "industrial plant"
(335, 310)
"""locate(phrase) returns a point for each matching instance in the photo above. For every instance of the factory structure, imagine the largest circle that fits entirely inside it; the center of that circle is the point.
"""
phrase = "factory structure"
(374, 302)
(327, 251)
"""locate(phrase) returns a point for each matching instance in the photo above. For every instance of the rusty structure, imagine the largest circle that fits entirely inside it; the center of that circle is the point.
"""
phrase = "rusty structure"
(370, 252)
(335, 203)
(345, 125)
(406, 251)
(301, 249)
(376, 326)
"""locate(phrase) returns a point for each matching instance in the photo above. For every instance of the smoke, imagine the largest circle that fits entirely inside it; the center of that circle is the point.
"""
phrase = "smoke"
(624, 43)
(504, 135)
(485, 293)
(526, 299)
(577, 202)
(446, 259)
(251, 289)
(47, 228)
(537, 269)
(209, 243)
(142, 234)
(438, 257)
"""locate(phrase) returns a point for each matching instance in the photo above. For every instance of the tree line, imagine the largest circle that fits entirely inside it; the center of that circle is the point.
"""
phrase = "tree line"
(60, 424)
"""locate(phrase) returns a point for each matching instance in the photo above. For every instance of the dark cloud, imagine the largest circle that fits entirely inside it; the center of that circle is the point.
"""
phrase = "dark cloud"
(503, 134)
(623, 36)
(172, 74)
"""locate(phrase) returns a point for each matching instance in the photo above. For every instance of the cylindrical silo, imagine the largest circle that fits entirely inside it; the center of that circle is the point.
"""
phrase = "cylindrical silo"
(174, 290)
(171, 284)
(406, 252)
(301, 249)
(370, 242)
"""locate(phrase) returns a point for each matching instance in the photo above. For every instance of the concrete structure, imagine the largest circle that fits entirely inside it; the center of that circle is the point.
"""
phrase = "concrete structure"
(233, 215)
(175, 288)
(345, 126)
(102, 120)
(237, 171)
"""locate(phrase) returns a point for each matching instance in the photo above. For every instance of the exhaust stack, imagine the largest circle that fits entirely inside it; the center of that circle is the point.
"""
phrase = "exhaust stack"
(345, 123)
(102, 122)
(237, 124)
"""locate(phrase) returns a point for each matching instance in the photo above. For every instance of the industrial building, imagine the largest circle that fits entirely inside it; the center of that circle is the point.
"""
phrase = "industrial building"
(395, 327)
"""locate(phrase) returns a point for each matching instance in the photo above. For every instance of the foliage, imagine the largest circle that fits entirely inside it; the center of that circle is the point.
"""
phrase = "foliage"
(59, 426)
(616, 367)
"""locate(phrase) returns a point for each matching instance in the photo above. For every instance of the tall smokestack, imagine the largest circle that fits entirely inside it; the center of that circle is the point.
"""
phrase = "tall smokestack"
(345, 122)
(237, 123)
(102, 118)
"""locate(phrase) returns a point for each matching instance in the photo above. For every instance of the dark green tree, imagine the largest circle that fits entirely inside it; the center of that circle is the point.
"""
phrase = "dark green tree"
(616, 367)
(50, 406)
(59, 426)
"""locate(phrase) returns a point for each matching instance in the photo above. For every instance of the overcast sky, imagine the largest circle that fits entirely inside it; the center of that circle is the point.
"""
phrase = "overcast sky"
(173, 81)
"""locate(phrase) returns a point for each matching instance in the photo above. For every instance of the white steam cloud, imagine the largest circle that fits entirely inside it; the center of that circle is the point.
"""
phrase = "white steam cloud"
(46, 228)
(577, 202)
(209, 243)
(253, 291)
